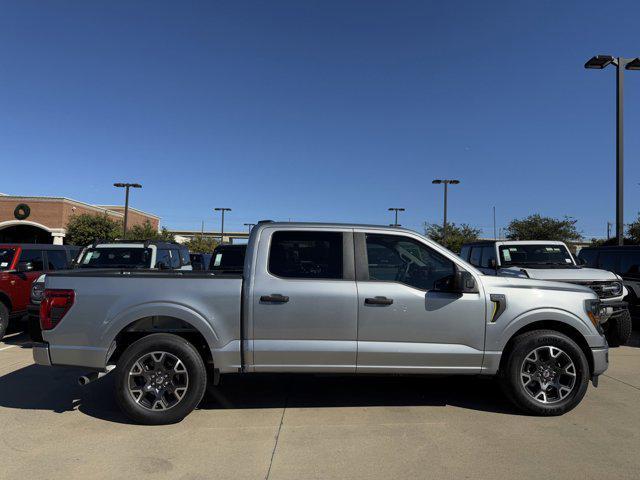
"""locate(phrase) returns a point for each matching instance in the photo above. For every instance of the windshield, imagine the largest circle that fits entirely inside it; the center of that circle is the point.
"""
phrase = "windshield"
(539, 254)
(6, 257)
(116, 257)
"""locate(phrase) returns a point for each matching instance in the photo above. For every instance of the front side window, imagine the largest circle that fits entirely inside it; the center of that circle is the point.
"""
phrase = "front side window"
(6, 257)
(175, 258)
(184, 256)
(34, 257)
(304, 254)
(163, 257)
(589, 256)
(609, 261)
(535, 254)
(57, 259)
(488, 254)
(393, 258)
(476, 256)
(630, 264)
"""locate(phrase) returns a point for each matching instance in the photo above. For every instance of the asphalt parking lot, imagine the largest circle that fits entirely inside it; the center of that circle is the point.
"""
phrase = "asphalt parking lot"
(289, 427)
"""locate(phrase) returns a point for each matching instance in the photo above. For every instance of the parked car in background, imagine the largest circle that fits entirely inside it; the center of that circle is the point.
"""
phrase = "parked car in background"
(322, 298)
(200, 261)
(622, 260)
(20, 265)
(228, 258)
(552, 260)
(122, 254)
(135, 254)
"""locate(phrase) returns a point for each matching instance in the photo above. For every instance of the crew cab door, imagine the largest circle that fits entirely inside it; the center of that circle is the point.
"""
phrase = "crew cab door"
(304, 301)
(20, 281)
(404, 323)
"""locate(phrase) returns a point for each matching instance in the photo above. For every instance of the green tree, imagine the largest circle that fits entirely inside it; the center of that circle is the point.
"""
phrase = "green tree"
(147, 232)
(201, 244)
(537, 227)
(633, 232)
(456, 235)
(85, 228)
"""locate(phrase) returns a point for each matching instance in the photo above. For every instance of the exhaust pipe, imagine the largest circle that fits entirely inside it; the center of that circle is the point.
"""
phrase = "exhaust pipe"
(91, 376)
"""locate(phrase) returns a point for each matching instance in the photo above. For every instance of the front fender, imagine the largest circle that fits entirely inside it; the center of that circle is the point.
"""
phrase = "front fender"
(499, 335)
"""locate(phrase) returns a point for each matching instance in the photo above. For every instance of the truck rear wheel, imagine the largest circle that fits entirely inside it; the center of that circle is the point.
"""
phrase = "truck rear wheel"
(618, 330)
(4, 319)
(546, 373)
(160, 379)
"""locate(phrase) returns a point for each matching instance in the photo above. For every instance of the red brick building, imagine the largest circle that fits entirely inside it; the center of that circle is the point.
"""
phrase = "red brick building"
(44, 219)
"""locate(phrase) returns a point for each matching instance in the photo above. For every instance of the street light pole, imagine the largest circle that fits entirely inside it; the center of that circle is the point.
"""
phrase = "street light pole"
(446, 183)
(222, 209)
(250, 226)
(396, 210)
(126, 186)
(621, 64)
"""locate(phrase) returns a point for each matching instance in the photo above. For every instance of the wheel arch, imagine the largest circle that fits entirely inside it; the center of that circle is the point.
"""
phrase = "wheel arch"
(160, 318)
(559, 326)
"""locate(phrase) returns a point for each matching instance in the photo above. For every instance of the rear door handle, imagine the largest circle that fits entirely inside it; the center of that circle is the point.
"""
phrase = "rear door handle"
(274, 298)
(378, 301)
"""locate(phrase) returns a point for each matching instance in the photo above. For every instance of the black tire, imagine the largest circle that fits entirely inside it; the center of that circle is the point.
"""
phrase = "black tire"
(618, 331)
(4, 319)
(513, 379)
(175, 347)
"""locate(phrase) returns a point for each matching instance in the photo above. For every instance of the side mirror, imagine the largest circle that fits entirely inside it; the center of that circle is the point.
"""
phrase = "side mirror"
(581, 261)
(493, 263)
(24, 267)
(162, 266)
(460, 282)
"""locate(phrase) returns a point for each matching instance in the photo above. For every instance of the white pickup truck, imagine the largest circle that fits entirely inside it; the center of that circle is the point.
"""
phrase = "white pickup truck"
(552, 260)
(322, 298)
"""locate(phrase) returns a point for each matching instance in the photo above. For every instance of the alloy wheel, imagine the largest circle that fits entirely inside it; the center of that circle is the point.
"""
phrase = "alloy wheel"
(158, 381)
(548, 374)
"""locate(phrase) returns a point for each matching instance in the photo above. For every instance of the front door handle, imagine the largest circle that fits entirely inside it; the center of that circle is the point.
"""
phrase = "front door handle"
(274, 298)
(378, 301)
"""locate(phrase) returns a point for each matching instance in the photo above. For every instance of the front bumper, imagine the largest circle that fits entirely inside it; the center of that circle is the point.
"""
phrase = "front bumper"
(600, 360)
(41, 354)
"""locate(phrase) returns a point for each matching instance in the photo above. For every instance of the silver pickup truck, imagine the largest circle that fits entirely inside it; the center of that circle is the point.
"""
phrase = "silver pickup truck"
(323, 298)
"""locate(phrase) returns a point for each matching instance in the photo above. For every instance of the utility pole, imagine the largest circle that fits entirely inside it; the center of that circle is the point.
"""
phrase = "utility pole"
(222, 209)
(396, 210)
(621, 64)
(494, 223)
(446, 183)
(126, 186)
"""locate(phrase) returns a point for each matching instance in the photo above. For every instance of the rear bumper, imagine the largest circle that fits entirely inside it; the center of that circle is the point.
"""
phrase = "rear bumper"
(41, 354)
(600, 360)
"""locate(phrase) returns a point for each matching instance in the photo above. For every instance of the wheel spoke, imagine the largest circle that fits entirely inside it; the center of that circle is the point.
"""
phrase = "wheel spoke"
(548, 374)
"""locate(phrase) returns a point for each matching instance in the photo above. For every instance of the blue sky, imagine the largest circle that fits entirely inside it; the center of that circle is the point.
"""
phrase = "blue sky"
(320, 110)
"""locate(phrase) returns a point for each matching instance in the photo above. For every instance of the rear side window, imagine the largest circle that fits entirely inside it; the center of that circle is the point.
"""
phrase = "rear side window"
(57, 260)
(306, 255)
(476, 256)
(34, 257)
(464, 252)
(163, 257)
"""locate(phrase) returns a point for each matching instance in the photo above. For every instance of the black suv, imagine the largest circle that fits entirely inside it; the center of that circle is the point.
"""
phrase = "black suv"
(623, 260)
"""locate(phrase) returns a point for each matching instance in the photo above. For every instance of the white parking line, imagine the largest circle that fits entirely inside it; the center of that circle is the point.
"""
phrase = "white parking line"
(7, 348)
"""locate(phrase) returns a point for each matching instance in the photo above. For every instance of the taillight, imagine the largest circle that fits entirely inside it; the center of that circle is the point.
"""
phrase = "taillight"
(55, 304)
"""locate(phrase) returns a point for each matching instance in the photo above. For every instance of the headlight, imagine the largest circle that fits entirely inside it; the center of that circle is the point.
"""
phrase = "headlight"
(595, 311)
(616, 288)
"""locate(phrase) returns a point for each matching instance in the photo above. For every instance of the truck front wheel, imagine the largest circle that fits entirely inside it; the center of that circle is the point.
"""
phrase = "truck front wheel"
(160, 379)
(546, 373)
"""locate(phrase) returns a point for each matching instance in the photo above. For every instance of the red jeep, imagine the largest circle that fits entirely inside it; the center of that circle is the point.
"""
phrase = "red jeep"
(20, 265)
